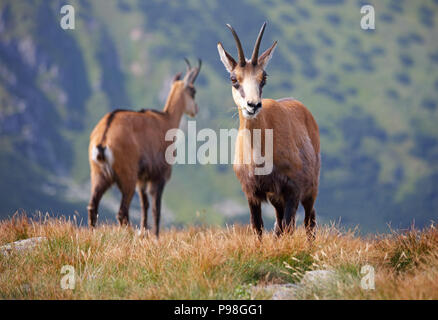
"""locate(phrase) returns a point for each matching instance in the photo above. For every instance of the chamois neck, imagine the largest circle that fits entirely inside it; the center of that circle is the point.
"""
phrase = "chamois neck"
(174, 106)
(249, 124)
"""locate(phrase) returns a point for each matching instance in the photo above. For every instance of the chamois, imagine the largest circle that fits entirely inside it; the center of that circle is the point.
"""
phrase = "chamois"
(296, 155)
(128, 148)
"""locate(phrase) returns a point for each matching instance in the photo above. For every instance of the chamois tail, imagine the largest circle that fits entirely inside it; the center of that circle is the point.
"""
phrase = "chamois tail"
(103, 156)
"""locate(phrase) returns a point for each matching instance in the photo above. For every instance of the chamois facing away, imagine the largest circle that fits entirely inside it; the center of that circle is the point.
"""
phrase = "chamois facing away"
(128, 148)
(296, 155)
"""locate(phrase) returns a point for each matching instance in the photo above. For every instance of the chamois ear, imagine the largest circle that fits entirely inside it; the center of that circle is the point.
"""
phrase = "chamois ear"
(226, 58)
(267, 55)
(177, 77)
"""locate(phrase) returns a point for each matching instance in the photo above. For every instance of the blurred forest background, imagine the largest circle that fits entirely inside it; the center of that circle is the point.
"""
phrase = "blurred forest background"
(374, 94)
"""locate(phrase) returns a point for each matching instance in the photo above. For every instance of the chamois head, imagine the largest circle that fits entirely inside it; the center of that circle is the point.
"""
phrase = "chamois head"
(189, 91)
(247, 76)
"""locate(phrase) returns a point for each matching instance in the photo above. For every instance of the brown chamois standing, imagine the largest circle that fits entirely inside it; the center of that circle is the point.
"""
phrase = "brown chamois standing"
(128, 148)
(296, 155)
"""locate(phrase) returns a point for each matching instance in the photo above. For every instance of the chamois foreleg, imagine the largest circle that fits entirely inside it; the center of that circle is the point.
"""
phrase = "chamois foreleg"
(123, 215)
(289, 213)
(256, 216)
(279, 213)
(310, 217)
(127, 188)
(156, 191)
(141, 189)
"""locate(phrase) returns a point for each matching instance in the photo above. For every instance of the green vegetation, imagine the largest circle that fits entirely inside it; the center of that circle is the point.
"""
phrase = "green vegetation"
(374, 94)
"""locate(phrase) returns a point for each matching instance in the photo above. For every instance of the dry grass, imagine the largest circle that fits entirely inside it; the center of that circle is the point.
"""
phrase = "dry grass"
(211, 263)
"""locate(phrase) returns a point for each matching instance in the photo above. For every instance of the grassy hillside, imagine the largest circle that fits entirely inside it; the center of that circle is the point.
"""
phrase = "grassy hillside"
(374, 94)
(212, 263)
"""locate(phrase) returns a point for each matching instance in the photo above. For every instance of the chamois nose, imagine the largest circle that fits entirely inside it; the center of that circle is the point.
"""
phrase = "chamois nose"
(254, 106)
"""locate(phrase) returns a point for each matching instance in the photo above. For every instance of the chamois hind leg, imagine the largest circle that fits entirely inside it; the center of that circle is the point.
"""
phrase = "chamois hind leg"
(141, 189)
(289, 213)
(156, 191)
(279, 212)
(99, 184)
(310, 216)
(256, 216)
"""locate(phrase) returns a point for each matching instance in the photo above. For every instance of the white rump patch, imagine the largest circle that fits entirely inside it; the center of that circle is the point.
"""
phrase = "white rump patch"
(109, 157)
(106, 165)
(94, 153)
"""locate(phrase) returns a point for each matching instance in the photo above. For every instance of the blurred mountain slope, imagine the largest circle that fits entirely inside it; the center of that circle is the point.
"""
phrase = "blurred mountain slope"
(374, 94)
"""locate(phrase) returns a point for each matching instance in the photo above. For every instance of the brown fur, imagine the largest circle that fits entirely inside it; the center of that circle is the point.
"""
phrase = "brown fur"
(137, 142)
(296, 158)
(296, 155)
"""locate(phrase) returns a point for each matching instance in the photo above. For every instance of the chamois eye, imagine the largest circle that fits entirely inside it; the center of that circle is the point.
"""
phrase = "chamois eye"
(263, 82)
(234, 82)
(191, 91)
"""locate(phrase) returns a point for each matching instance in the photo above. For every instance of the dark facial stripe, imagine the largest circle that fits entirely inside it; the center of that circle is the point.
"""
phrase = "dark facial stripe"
(262, 84)
(237, 85)
(191, 91)
(242, 93)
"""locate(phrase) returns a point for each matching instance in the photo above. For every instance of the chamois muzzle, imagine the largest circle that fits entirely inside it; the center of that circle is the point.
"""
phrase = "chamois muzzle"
(254, 106)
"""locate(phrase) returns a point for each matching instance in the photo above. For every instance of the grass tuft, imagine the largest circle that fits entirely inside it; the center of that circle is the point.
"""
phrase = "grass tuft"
(211, 262)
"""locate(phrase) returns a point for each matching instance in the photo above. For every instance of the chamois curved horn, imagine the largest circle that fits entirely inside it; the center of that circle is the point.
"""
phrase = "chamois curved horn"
(189, 72)
(255, 53)
(240, 53)
(188, 63)
(195, 74)
(187, 77)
